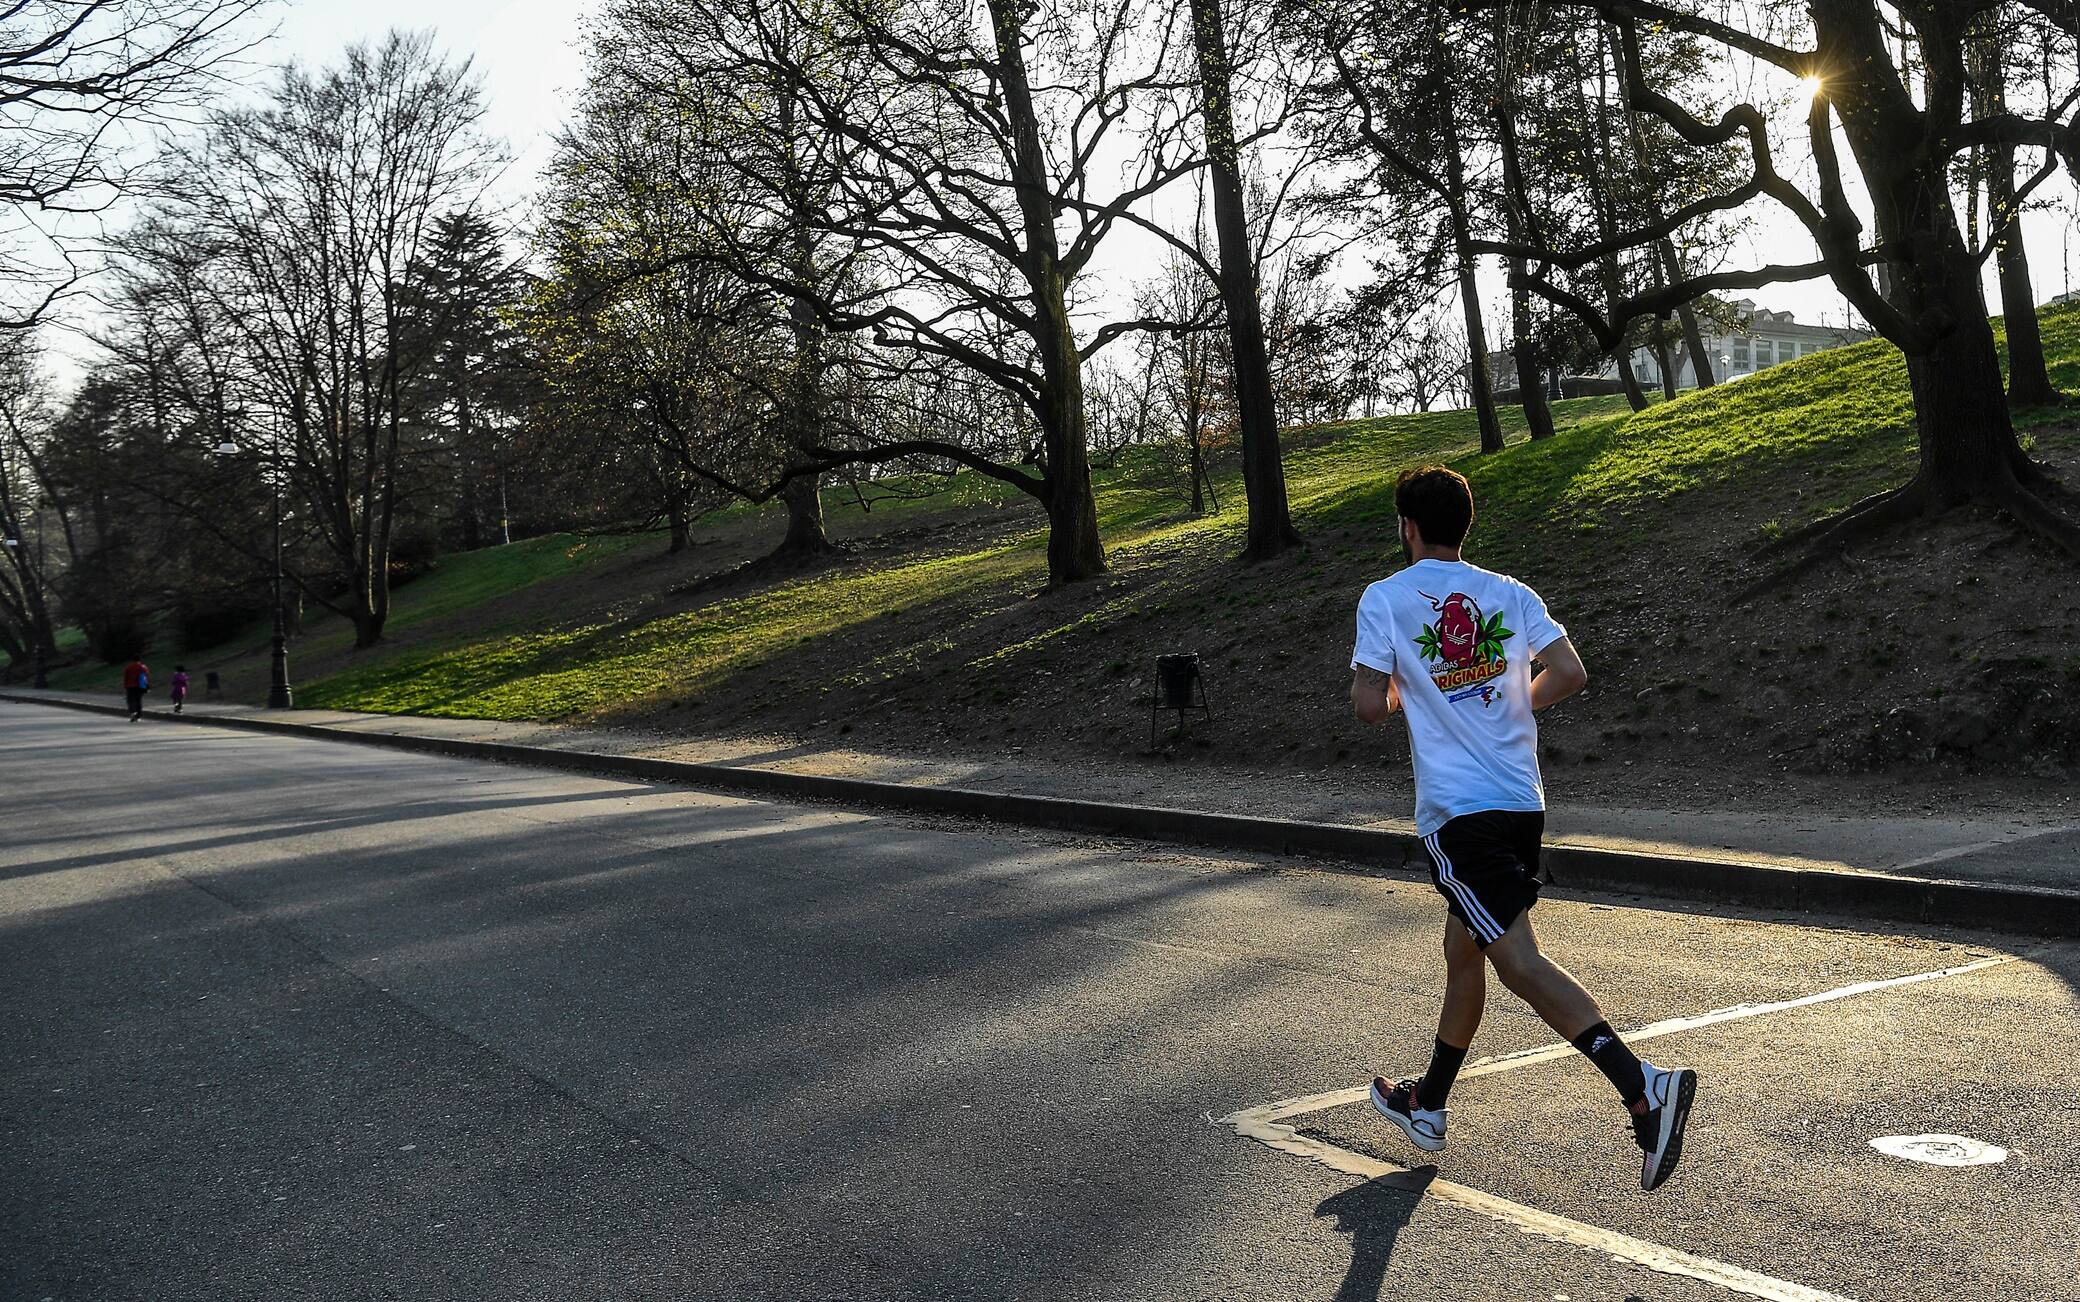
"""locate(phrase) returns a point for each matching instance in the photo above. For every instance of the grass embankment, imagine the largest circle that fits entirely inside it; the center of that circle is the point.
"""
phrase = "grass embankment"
(1636, 526)
(465, 585)
(587, 667)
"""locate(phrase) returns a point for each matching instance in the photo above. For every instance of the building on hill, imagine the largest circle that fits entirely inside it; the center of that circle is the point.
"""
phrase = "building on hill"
(1752, 339)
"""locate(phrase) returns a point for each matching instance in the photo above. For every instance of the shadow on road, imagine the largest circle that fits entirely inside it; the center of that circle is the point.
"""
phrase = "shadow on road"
(1373, 1214)
(634, 1033)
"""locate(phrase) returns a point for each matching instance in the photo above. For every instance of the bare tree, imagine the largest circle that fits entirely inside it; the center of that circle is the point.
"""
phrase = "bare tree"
(281, 254)
(1187, 363)
(965, 150)
(1270, 528)
(1515, 50)
(27, 630)
(77, 78)
(712, 100)
(1995, 44)
(682, 367)
(1395, 97)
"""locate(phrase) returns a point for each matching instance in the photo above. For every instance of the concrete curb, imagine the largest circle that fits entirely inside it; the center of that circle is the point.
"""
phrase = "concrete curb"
(2026, 910)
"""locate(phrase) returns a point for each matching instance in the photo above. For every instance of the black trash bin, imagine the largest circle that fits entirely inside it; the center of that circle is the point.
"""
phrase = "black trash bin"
(1180, 686)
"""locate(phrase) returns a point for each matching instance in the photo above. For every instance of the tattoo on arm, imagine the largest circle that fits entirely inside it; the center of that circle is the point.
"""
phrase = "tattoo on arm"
(1373, 678)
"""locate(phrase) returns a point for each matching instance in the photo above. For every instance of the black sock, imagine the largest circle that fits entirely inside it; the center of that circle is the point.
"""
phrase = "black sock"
(1618, 1063)
(1436, 1085)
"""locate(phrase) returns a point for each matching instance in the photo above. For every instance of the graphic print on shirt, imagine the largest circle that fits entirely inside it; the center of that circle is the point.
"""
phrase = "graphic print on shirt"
(1464, 648)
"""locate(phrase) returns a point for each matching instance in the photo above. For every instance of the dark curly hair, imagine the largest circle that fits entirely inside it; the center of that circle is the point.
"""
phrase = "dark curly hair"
(1439, 500)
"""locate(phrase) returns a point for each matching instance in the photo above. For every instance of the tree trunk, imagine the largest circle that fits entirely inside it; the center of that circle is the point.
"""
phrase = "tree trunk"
(1600, 197)
(372, 597)
(1480, 385)
(1270, 529)
(1194, 448)
(1960, 406)
(368, 626)
(466, 440)
(1635, 397)
(681, 533)
(1961, 414)
(1693, 345)
(371, 585)
(2029, 382)
(1531, 389)
(1663, 362)
(806, 536)
(1522, 227)
(1693, 338)
(35, 610)
(803, 496)
(1074, 549)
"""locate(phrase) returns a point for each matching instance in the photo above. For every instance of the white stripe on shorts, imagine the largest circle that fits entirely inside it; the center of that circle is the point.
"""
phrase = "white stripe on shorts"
(1477, 915)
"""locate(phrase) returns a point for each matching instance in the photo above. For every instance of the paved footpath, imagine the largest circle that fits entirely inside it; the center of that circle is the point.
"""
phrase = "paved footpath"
(286, 1018)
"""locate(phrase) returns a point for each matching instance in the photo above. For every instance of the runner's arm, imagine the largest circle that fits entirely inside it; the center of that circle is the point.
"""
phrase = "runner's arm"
(1374, 695)
(1563, 676)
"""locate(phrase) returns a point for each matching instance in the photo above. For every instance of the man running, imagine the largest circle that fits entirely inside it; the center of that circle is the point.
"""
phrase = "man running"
(1449, 645)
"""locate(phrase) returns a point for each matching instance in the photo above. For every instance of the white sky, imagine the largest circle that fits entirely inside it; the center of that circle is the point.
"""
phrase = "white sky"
(528, 55)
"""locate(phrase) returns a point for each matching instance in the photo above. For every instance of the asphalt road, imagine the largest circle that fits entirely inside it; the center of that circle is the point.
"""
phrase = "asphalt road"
(297, 1019)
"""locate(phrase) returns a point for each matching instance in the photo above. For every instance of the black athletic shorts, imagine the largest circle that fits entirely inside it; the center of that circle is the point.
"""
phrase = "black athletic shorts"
(1486, 867)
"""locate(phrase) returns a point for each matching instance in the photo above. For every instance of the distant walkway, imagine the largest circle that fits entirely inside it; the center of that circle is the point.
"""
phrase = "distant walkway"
(2035, 851)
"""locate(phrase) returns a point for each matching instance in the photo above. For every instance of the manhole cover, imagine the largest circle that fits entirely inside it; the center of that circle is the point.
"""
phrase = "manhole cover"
(1940, 1150)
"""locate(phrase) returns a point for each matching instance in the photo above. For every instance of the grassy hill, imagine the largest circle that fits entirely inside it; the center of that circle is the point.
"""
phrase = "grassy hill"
(933, 633)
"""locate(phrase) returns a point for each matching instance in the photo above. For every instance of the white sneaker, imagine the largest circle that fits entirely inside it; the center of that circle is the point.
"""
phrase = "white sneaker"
(1397, 1103)
(1659, 1130)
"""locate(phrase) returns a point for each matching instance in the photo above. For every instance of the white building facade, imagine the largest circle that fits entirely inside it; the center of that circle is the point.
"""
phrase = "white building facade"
(1757, 340)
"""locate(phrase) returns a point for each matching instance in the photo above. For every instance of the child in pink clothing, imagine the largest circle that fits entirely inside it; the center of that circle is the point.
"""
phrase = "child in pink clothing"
(179, 687)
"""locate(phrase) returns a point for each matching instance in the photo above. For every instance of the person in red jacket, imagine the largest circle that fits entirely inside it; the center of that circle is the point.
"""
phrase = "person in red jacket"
(137, 680)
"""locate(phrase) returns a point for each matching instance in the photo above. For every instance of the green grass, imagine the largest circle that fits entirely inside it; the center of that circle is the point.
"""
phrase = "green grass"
(463, 581)
(467, 580)
(551, 673)
(555, 672)
(1820, 431)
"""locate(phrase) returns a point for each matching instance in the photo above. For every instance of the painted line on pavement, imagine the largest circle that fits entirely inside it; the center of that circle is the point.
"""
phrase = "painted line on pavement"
(1261, 1124)
(1998, 843)
(1264, 1124)
(1653, 1030)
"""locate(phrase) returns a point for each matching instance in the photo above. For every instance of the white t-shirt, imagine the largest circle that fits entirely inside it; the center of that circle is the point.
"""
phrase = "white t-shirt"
(1458, 640)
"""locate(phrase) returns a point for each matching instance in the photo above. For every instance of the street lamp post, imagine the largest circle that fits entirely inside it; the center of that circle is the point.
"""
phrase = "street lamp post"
(279, 697)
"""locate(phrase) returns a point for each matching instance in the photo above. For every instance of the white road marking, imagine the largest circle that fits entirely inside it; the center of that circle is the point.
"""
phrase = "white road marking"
(1264, 1125)
(1998, 843)
(1941, 1150)
(1653, 1030)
